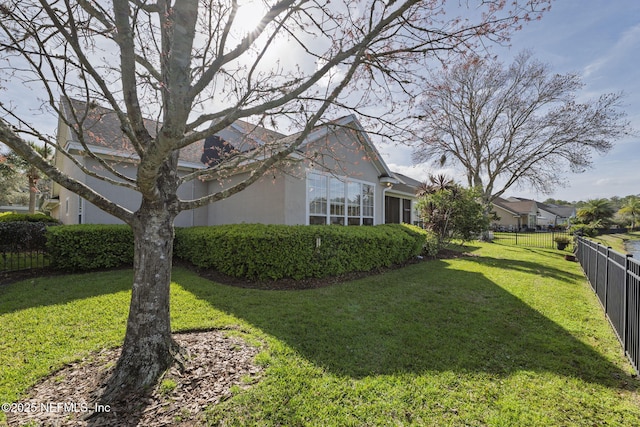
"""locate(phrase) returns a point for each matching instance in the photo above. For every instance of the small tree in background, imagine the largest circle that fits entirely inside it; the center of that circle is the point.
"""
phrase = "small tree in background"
(631, 210)
(12, 179)
(596, 212)
(451, 211)
(34, 175)
(16, 175)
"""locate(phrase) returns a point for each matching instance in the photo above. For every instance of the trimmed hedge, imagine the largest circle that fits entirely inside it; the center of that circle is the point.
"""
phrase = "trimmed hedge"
(19, 236)
(87, 247)
(259, 251)
(16, 217)
(253, 251)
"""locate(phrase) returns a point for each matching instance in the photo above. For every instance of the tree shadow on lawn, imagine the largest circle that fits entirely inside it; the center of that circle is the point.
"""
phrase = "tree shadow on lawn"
(424, 317)
(61, 288)
(531, 267)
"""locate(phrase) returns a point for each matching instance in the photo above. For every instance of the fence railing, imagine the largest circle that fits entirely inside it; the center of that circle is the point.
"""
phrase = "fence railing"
(533, 239)
(22, 246)
(615, 278)
(22, 260)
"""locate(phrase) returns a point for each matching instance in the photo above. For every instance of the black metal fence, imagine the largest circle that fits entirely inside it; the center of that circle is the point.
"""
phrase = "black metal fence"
(615, 278)
(533, 239)
(22, 246)
(23, 260)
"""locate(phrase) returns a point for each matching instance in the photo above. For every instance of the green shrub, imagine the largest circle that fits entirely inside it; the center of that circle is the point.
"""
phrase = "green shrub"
(19, 236)
(86, 247)
(583, 230)
(16, 217)
(278, 251)
(431, 245)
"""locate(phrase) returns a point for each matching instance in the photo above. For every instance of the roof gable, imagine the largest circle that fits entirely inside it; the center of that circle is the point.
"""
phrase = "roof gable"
(351, 123)
(101, 131)
(519, 207)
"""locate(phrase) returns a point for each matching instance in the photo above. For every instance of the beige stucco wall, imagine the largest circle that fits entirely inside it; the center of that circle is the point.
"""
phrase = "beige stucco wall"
(67, 202)
(123, 196)
(68, 210)
(262, 201)
(507, 219)
(342, 154)
(295, 201)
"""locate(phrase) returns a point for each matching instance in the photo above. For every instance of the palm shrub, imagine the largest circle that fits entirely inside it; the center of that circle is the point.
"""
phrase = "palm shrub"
(451, 211)
(631, 209)
(596, 212)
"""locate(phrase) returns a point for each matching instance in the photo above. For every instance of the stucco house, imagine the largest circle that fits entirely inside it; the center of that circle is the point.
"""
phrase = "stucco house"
(337, 175)
(514, 214)
(556, 215)
(517, 214)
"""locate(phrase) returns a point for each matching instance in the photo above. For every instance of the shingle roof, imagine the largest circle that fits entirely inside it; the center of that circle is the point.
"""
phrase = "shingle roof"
(406, 184)
(522, 206)
(101, 128)
(559, 210)
(241, 136)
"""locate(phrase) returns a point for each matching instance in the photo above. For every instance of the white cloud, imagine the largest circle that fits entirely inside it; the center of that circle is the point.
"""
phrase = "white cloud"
(616, 55)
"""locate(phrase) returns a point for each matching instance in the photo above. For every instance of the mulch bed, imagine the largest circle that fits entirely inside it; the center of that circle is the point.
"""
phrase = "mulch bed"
(68, 397)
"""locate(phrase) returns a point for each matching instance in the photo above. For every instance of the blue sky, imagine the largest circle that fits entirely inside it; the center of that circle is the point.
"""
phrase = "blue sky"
(599, 40)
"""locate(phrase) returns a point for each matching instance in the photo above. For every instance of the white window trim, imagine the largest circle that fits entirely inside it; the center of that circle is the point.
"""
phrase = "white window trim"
(346, 180)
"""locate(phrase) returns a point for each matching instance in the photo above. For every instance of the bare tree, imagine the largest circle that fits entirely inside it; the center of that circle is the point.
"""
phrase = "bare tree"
(192, 63)
(519, 124)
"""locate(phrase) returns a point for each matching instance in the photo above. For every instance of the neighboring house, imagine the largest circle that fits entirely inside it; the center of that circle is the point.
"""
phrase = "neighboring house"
(557, 215)
(335, 177)
(514, 214)
(22, 209)
(524, 214)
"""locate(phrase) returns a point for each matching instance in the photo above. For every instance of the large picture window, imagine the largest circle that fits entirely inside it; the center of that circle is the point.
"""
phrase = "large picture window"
(333, 200)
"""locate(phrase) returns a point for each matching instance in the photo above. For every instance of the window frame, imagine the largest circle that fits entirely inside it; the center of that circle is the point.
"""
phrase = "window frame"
(348, 208)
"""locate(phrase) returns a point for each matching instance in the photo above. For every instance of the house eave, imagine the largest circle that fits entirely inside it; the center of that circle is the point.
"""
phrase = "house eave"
(76, 148)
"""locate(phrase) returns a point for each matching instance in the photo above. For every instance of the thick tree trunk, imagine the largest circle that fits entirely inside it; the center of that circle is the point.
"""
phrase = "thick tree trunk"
(32, 193)
(148, 348)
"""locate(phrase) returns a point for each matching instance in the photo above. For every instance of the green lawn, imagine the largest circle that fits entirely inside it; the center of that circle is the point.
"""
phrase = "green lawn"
(509, 337)
(617, 241)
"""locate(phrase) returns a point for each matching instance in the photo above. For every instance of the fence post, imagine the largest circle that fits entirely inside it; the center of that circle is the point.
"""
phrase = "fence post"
(625, 307)
(597, 262)
(606, 281)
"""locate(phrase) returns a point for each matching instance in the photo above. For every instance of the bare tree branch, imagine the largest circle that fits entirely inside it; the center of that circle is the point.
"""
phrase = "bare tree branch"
(514, 125)
(23, 148)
